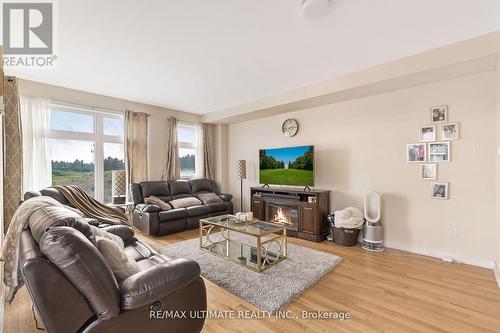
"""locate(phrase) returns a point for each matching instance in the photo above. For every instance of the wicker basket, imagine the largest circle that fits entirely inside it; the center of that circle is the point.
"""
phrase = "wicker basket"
(345, 236)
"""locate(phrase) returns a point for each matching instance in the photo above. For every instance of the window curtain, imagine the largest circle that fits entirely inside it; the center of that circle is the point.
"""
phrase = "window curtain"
(206, 153)
(136, 147)
(37, 164)
(171, 168)
(13, 158)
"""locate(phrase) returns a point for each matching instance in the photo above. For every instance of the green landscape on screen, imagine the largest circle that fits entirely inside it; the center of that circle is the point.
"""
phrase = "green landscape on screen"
(287, 166)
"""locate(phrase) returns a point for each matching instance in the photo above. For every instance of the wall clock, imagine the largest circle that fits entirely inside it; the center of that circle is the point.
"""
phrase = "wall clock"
(290, 127)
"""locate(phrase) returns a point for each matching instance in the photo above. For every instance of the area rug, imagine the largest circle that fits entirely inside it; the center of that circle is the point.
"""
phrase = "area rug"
(270, 290)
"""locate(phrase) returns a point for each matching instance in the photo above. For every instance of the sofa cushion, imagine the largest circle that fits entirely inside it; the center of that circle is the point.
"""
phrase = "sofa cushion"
(152, 261)
(46, 217)
(208, 198)
(152, 200)
(55, 194)
(198, 210)
(138, 251)
(217, 207)
(84, 266)
(158, 189)
(201, 185)
(185, 202)
(173, 214)
(122, 265)
(180, 189)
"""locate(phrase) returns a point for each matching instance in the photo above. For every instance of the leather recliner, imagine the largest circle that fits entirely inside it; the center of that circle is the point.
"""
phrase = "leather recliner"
(151, 220)
(73, 289)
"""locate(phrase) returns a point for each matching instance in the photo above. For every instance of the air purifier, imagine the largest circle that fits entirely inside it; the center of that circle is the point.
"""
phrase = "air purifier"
(373, 231)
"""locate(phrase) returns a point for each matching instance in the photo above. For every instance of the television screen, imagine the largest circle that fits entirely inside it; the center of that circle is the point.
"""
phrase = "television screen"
(287, 166)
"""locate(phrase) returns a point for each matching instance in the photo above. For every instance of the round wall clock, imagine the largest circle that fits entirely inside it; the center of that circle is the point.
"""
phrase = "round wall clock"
(290, 127)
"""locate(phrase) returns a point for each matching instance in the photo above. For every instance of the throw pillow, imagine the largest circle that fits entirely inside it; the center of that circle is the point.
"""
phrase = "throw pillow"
(209, 198)
(152, 200)
(185, 202)
(122, 265)
(98, 232)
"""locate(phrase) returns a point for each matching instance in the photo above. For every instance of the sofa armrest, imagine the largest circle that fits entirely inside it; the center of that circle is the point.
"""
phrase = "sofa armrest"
(125, 232)
(226, 196)
(159, 281)
(147, 208)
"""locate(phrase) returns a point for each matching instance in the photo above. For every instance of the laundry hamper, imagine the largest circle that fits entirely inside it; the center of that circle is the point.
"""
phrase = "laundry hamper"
(343, 236)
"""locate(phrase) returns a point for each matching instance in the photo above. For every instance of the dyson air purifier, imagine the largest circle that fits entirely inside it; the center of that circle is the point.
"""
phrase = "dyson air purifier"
(373, 231)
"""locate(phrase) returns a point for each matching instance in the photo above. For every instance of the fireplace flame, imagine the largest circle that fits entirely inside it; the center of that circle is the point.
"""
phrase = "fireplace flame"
(281, 217)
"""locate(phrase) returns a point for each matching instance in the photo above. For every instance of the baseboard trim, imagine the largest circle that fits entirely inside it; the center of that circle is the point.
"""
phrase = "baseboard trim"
(496, 270)
(490, 264)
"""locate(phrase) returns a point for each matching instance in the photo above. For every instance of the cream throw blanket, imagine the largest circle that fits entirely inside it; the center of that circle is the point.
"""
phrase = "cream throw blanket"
(11, 247)
(90, 207)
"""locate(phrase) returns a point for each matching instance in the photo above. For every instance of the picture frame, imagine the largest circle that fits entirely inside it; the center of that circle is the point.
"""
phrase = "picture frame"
(450, 131)
(439, 114)
(416, 152)
(439, 152)
(427, 133)
(440, 190)
(428, 171)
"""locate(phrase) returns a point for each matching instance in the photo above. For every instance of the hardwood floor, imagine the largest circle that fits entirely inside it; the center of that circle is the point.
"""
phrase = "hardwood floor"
(392, 291)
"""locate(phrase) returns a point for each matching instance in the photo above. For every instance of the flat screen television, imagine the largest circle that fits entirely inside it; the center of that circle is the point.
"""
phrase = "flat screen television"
(287, 166)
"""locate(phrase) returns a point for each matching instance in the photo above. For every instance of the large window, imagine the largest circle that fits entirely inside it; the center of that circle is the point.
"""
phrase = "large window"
(85, 147)
(73, 163)
(188, 136)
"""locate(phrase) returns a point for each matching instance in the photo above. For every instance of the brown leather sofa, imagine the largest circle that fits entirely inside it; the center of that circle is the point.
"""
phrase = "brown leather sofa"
(151, 220)
(74, 290)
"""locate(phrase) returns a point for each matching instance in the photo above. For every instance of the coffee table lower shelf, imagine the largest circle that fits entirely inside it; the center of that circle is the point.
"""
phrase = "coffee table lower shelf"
(218, 241)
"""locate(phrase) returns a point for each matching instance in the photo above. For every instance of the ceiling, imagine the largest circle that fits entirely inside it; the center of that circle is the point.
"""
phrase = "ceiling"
(205, 56)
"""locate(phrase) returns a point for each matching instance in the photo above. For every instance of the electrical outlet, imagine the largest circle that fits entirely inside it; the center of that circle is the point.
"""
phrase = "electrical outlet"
(454, 233)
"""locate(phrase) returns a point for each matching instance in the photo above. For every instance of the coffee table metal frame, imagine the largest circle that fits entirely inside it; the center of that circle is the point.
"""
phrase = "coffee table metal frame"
(225, 224)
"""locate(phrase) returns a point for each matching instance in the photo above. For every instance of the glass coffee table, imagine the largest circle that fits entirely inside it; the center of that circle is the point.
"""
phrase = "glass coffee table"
(257, 245)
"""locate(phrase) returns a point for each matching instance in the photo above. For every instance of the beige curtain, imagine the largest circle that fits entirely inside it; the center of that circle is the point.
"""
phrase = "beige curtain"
(171, 168)
(207, 156)
(136, 146)
(13, 154)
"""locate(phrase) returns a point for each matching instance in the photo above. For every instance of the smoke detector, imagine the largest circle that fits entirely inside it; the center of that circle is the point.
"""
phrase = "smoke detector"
(314, 9)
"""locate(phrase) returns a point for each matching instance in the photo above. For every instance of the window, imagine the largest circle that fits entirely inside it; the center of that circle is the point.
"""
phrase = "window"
(85, 147)
(189, 155)
(71, 121)
(73, 163)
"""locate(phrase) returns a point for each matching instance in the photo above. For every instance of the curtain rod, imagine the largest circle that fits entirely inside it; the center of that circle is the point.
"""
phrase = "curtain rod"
(91, 108)
(85, 107)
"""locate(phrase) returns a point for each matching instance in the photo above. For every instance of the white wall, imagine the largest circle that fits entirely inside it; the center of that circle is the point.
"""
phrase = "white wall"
(157, 121)
(497, 197)
(360, 145)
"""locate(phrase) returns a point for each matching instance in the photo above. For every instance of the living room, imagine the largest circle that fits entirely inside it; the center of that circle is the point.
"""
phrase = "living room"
(313, 165)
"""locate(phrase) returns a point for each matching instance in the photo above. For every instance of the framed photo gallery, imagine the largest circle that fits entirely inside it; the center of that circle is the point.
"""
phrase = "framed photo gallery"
(434, 147)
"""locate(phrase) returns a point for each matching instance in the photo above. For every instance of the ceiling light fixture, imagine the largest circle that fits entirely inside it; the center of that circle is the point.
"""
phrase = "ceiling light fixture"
(314, 9)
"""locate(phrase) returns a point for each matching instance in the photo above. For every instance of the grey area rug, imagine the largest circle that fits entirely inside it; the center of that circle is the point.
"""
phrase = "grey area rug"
(270, 290)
